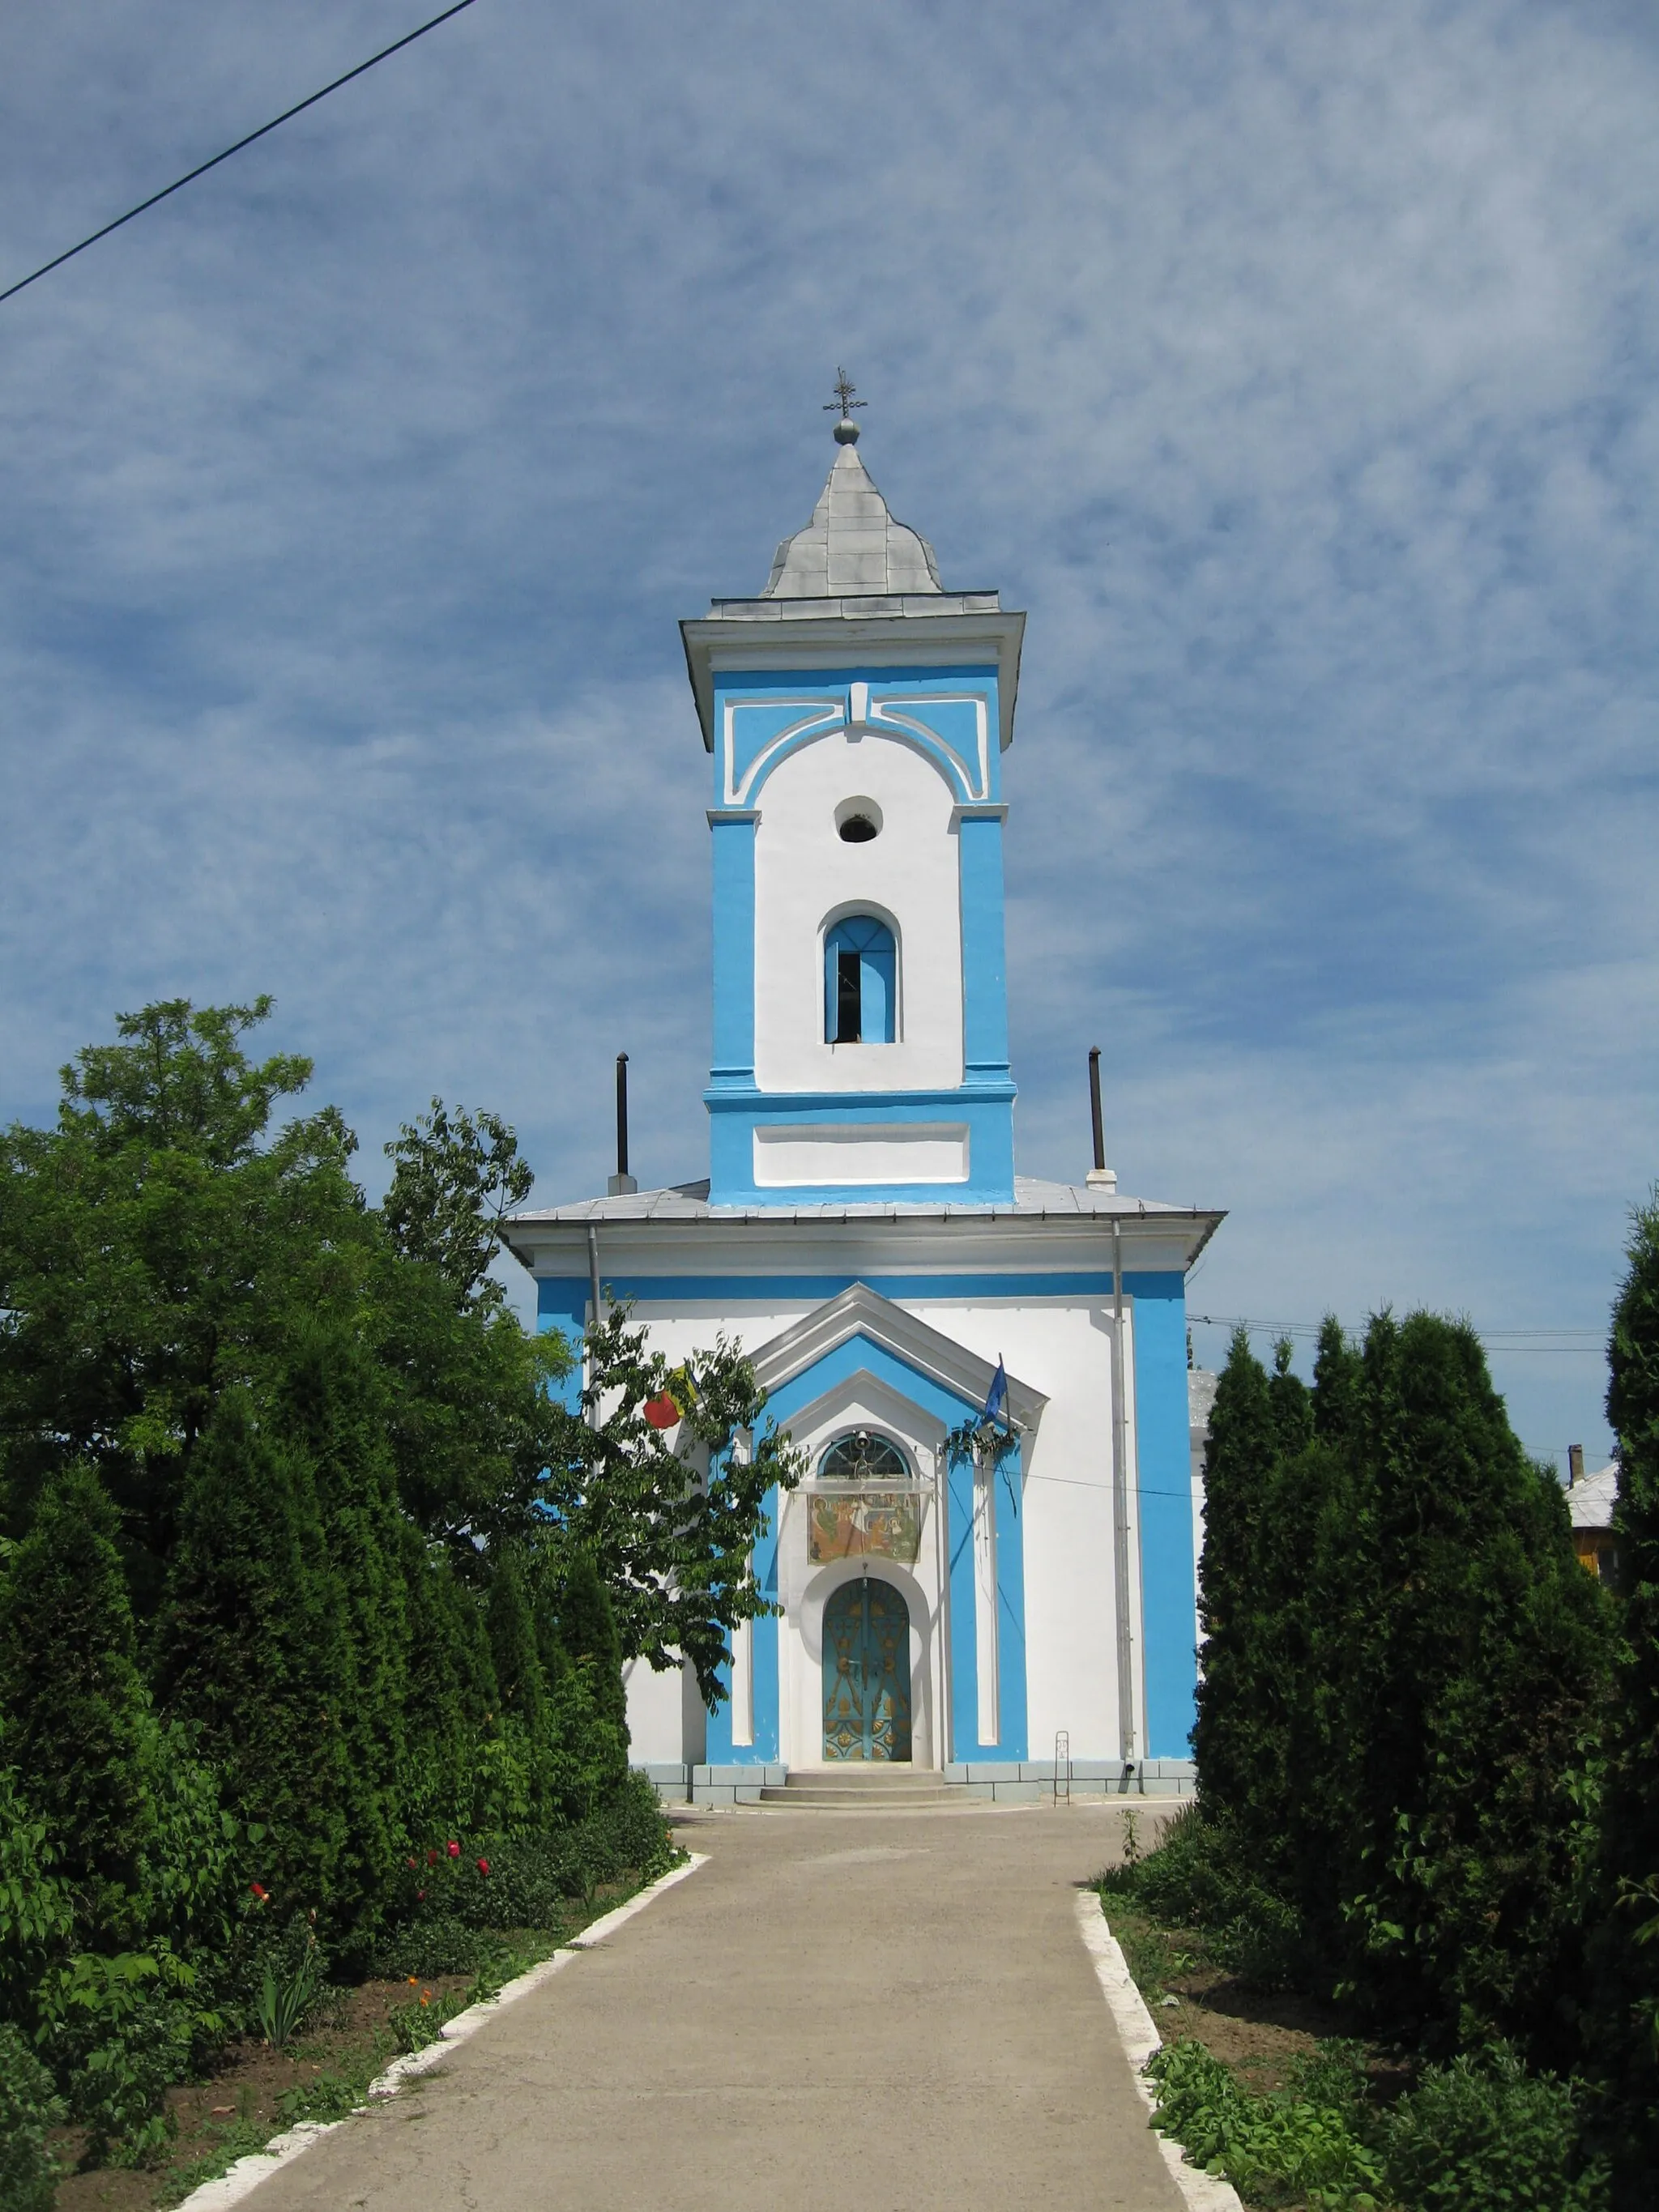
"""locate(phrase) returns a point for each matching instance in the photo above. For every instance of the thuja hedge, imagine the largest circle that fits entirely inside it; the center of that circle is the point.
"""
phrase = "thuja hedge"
(1427, 1740)
(306, 1572)
(1403, 1664)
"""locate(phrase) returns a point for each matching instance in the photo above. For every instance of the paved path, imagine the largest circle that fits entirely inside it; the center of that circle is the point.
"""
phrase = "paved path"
(841, 2013)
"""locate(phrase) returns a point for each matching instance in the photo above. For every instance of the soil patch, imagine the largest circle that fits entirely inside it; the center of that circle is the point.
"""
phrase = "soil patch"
(256, 2093)
(1263, 2032)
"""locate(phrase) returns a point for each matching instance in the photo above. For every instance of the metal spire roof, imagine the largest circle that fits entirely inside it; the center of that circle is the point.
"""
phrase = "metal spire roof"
(852, 545)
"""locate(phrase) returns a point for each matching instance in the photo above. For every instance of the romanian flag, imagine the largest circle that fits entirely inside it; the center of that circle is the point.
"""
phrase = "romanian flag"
(672, 1403)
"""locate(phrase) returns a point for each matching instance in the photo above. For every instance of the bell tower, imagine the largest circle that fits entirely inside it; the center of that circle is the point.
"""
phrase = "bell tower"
(856, 713)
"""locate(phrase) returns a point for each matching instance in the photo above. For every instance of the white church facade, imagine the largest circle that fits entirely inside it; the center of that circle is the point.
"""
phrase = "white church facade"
(864, 1236)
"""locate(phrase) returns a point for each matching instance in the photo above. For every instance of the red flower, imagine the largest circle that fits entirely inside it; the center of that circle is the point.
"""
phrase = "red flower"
(420, 1897)
(258, 1890)
(454, 1850)
(414, 1863)
(432, 1858)
(483, 1866)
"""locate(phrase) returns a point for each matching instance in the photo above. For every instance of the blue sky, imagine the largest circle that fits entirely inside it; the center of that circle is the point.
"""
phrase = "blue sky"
(1292, 365)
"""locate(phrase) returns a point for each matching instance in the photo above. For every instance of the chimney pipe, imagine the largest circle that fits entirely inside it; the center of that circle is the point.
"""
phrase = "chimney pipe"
(622, 1184)
(1575, 1465)
(1101, 1177)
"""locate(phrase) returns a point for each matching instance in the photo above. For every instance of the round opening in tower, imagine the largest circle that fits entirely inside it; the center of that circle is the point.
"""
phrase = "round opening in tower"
(857, 821)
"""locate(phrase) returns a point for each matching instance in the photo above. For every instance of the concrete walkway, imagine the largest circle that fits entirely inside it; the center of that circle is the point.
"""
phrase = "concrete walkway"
(856, 2012)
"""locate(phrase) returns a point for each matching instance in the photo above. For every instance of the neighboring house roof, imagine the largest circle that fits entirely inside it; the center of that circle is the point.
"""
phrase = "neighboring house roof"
(1202, 1385)
(1591, 1502)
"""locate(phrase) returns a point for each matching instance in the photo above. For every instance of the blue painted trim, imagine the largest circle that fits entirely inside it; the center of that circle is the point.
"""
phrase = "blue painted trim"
(735, 1111)
(984, 962)
(1168, 1620)
(1164, 1468)
(1010, 1615)
(733, 840)
(561, 1305)
(737, 687)
(859, 1356)
(764, 1669)
(907, 676)
(760, 1289)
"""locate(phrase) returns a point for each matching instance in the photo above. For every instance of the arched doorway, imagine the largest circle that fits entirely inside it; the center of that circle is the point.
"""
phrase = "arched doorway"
(866, 1672)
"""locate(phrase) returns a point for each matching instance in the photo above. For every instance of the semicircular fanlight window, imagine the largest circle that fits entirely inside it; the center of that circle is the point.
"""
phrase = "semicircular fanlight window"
(865, 1456)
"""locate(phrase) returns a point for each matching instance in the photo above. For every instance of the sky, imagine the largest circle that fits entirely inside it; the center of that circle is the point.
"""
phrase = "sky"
(1291, 363)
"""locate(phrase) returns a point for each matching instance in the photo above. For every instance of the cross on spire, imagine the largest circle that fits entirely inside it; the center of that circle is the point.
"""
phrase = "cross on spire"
(843, 403)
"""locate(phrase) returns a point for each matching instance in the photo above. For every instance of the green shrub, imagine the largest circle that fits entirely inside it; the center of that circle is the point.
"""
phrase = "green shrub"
(426, 1947)
(250, 1647)
(1202, 1876)
(118, 2033)
(1476, 2135)
(526, 1881)
(78, 1718)
(1483, 2136)
(37, 1911)
(1289, 2148)
(27, 2109)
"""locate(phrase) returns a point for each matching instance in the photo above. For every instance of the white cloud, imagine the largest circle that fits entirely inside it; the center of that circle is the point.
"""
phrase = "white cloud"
(1292, 364)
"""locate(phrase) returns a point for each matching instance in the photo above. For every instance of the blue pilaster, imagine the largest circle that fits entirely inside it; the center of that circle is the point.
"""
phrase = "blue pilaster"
(984, 960)
(734, 835)
(1164, 1464)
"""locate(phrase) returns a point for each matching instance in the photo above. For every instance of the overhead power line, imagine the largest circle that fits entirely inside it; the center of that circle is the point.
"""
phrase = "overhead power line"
(1495, 1339)
(202, 168)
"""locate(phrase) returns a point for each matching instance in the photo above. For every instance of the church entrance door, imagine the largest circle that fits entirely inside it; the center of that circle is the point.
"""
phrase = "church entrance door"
(866, 1672)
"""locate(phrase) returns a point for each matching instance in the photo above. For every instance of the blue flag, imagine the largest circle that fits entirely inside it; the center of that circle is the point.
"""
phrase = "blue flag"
(996, 1398)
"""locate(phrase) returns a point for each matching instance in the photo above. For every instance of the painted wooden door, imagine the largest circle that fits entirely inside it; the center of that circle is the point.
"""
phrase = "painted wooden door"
(866, 1672)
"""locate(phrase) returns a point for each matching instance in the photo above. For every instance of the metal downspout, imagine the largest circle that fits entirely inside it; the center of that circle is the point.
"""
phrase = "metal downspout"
(1125, 1692)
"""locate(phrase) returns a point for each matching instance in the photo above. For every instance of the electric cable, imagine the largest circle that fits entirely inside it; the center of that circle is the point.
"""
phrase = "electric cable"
(202, 168)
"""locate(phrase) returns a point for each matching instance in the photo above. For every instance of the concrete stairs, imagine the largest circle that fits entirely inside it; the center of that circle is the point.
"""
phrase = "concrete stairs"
(860, 1788)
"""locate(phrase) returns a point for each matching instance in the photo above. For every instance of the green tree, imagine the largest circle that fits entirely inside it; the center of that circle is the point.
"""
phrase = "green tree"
(452, 1695)
(78, 1722)
(331, 1410)
(473, 1422)
(252, 1645)
(1470, 1686)
(513, 1644)
(454, 1177)
(1625, 2021)
(588, 1632)
(155, 1243)
(670, 1531)
(1230, 1738)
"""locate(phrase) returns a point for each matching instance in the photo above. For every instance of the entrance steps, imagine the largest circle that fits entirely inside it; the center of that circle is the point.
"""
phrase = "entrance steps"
(859, 1789)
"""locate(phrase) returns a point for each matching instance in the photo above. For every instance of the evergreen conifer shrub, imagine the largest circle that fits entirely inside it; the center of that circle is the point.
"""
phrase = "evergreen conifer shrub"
(252, 1647)
(78, 1723)
(1624, 2017)
(1232, 1736)
(1474, 1667)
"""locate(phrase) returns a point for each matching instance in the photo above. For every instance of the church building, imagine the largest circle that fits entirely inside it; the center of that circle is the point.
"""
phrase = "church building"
(864, 1237)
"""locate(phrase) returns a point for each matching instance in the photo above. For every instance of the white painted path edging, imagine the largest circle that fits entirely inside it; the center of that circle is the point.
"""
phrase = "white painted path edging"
(1204, 2192)
(242, 2178)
